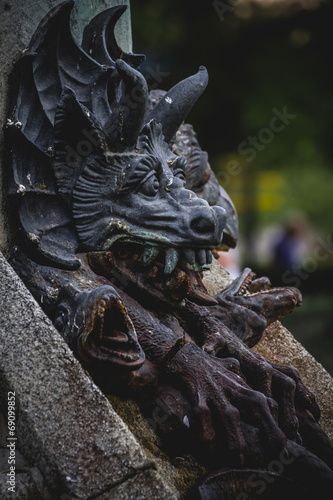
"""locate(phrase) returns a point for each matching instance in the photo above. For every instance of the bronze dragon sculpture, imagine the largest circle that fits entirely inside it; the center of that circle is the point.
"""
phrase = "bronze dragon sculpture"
(112, 242)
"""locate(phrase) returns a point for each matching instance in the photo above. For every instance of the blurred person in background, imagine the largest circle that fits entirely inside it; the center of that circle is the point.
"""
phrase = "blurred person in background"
(291, 245)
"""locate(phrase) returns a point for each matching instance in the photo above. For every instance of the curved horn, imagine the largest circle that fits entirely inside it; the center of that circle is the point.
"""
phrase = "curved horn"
(99, 40)
(127, 117)
(172, 110)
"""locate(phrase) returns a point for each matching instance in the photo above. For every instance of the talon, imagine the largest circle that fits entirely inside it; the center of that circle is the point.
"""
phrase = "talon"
(256, 410)
(303, 397)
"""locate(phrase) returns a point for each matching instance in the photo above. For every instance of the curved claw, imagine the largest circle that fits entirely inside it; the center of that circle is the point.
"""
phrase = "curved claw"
(315, 438)
(304, 398)
(233, 432)
(220, 399)
(284, 387)
(203, 423)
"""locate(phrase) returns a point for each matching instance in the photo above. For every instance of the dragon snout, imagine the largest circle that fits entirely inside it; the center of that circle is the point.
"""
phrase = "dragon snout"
(220, 215)
(209, 224)
(203, 224)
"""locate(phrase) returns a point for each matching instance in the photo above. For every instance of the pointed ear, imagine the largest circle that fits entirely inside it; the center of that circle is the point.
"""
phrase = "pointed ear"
(78, 137)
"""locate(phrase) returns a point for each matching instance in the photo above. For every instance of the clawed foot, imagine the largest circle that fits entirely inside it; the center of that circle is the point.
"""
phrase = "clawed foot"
(211, 400)
(281, 383)
(230, 384)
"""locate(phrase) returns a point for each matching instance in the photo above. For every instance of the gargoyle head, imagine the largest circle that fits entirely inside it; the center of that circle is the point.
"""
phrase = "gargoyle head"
(125, 186)
(93, 164)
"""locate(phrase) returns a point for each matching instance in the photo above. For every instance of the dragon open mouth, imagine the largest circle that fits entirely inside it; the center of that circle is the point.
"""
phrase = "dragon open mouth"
(258, 296)
(246, 284)
(110, 337)
(163, 272)
(152, 248)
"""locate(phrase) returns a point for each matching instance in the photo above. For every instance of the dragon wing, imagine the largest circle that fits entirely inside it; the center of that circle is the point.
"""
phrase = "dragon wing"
(99, 40)
(53, 61)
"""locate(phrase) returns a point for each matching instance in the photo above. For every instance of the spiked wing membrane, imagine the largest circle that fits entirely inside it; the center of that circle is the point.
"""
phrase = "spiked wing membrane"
(99, 40)
(52, 62)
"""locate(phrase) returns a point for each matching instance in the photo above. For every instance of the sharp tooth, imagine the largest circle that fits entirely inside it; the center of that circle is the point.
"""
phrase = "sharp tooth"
(171, 260)
(149, 255)
(201, 256)
(189, 256)
(209, 257)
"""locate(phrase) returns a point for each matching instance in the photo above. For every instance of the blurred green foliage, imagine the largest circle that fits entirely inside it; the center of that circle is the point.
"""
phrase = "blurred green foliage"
(258, 60)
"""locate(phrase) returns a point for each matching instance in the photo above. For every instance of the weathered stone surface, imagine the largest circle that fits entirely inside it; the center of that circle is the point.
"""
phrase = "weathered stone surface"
(217, 279)
(279, 346)
(65, 425)
(29, 483)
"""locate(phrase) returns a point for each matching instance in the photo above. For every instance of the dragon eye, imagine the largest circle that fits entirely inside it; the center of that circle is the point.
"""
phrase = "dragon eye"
(180, 174)
(150, 185)
(179, 166)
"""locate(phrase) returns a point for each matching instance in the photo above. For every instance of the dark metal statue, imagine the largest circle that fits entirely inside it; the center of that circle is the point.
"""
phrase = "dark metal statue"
(113, 240)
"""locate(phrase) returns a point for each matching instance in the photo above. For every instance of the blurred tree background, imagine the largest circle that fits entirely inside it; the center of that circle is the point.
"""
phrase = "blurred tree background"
(264, 58)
